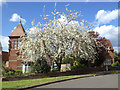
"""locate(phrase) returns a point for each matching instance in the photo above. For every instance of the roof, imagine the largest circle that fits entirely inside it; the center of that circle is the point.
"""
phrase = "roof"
(111, 47)
(4, 52)
(107, 43)
(18, 31)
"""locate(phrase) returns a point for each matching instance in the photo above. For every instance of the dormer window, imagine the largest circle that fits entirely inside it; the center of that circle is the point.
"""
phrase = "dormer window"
(15, 44)
(108, 48)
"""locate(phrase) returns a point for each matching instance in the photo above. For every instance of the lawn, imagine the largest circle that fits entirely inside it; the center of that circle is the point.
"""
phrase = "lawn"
(32, 82)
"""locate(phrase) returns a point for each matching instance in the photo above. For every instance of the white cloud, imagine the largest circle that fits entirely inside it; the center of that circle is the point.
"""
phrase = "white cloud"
(16, 18)
(109, 32)
(63, 20)
(4, 42)
(104, 17)
(117, 49)
(33, 30)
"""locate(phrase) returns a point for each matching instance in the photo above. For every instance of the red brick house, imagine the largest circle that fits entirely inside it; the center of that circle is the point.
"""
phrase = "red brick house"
(110, 51)
(109, 54)
(14, 40)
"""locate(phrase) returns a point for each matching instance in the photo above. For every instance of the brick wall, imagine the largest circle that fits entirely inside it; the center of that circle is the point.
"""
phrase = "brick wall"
(14, 62)
(5, 56)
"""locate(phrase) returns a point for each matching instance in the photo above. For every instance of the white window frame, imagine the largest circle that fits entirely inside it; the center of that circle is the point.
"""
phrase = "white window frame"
(15, 44)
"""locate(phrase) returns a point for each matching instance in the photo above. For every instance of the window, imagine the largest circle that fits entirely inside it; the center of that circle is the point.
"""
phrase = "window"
(26, 67)
(15, 44)
(107, 62)
(18, 43)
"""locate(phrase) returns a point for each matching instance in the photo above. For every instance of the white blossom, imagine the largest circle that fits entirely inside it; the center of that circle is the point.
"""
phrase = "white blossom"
(59, 37)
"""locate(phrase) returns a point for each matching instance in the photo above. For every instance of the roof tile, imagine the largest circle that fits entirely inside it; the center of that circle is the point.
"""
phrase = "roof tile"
(18, 31)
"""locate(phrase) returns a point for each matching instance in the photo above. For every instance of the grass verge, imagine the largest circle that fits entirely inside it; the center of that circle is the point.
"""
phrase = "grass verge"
(32, 82)
(115, 72)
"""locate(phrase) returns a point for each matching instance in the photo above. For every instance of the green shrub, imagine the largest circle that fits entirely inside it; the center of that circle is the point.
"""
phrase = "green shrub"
(116, 64)
(54, 70)
(40, 66)
(75, 65)
(68, 60)
(78, 66)
(4, 69)
(9, 72)
(18, 73)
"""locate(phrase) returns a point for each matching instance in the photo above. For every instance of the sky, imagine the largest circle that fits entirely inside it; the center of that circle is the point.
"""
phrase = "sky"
(103, 14)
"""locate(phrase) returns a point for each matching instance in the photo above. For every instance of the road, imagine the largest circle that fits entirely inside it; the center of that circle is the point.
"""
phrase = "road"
(104, 81)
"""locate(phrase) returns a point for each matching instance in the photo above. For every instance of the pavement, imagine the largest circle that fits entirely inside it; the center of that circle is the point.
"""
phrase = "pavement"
(103, 81)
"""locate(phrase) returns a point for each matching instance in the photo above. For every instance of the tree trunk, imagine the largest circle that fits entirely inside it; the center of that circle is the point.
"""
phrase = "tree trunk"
(59, 64)
(47, 56)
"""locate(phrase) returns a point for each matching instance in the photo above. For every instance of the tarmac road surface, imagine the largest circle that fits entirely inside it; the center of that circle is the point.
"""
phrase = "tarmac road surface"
(104, 81)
